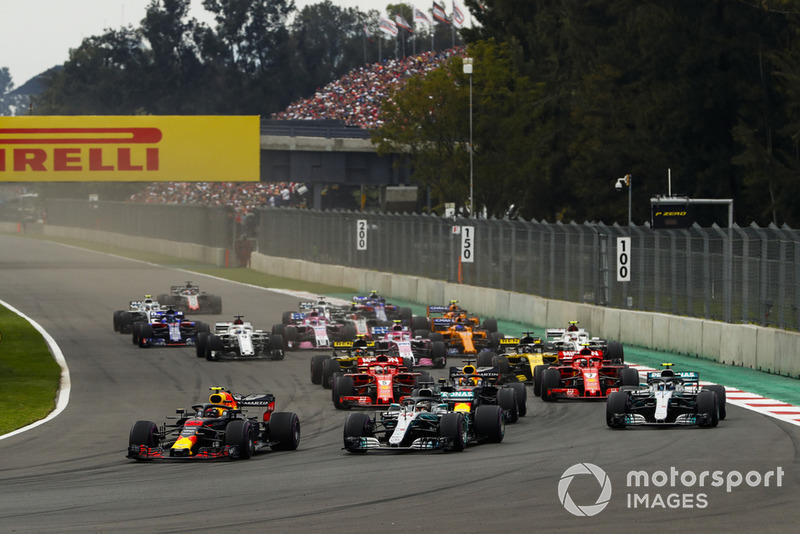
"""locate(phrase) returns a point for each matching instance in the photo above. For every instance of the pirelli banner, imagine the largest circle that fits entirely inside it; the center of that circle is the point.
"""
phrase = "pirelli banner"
(138, 148)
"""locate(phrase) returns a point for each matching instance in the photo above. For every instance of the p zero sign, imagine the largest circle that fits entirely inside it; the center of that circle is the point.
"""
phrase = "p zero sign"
(135, 148)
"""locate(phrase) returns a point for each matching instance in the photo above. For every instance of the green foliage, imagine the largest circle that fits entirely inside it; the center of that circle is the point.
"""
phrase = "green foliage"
(29, 376)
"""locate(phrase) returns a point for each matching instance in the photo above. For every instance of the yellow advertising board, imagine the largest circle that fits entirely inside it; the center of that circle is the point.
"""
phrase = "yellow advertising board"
(136, 148)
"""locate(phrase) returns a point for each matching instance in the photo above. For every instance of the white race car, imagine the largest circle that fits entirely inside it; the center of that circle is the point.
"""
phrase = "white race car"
(237, 339)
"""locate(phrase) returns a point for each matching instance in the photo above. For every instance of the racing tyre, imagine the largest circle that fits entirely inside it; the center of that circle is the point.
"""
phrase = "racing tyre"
(292, 337)
(408, 363)
(708, 405)
(316, 367)
(551, 379)
(342, 387)
(125, 323)
(439, 354)
(349, 332)
(615, 353)
(357, 425)
(629, 377)
(215, 304)
(722, 399)
(423, 333)
(277, 346)
(484, 359)
(284, 431)
(405, 315)
(507, 400)
(117, 320)
(202, 344)
(419, 322)
(135, 332)
(538, 371)
(239, 433)
(436, 336)
(490, 423)
(145, 332)
(490, 325)
(494, 339)
(286, 318)
(329, 367)
(453, 426)
(522, 397)
(213, 348)
(617, 403)
(501, 362)
(279, 328)
(144, 433)
(202, 327)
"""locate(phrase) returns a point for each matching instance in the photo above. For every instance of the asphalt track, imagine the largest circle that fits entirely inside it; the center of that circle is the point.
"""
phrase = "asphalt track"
(71, 475)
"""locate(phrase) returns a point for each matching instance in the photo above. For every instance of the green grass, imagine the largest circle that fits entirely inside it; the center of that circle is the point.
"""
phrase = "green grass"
(29, 376)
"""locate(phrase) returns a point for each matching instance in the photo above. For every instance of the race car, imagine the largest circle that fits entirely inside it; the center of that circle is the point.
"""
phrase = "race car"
(567, 342)
(344, 359)
(525, 357)
(138, 311)
(462, 334)
(398, 340)
(237, 339)
(188, 298)
(585, 375)
(667, 399)
(378, 382)
(216, 429)
(375, 310)
(470, 387)
(313, 329)
(421, 423)
(167, 329)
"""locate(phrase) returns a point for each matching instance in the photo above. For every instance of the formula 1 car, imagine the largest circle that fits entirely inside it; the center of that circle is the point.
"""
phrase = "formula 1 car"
(313, 329)
(667, 399)
(463, 334)
(344, 360)
(138, 311)
(569, 341)
(237, 339)
(375, 310)
(377, 382)
(167, 329)
(525, 357)
(219, 428)
(188, 298)
(421, 423)
(469, 387)
(398, 340)
(587, 375)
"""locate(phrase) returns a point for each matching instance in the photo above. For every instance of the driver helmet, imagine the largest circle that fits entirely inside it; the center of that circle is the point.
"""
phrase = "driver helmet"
(423, 406)
(460, 327)
(213, 412)
(238, 320)
(397, 328)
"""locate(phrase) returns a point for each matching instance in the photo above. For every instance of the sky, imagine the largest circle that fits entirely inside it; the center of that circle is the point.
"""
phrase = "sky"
(38, 34)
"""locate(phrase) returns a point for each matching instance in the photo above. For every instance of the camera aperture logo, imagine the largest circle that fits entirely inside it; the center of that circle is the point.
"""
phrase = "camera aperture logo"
(589, 509)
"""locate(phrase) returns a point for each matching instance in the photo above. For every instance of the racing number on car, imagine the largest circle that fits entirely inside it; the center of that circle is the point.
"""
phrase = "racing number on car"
(467, 244)
(361, 234)
(623, 259)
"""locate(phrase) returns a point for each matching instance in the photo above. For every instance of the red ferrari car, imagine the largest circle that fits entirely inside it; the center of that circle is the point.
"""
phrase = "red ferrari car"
(586, 375)
(379, 382)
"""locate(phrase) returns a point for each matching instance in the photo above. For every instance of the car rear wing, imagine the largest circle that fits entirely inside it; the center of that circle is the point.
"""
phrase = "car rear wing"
(264, 399)
(687, 376)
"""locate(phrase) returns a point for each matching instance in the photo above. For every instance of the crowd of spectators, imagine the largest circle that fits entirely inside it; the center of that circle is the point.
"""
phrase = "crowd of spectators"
(357, 97)
(244, 197)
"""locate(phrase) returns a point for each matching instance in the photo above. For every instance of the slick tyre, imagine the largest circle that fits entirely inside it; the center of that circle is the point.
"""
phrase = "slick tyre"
(551, 379)
(522, 397)
(538, 371)
(502, 364)
(357, 425)
(202, 345)
(490, 423)
(239, 433)
(722, 399)
(342, 387)
(329, 367)
(144, 433)
(484, 359)
(145, 333)
(617, 403)
(439, 354)
(453, 427)
(284, 431)
(708, 406)
(317, 362)
(214, 348)
(507, 400)
(628, 377)
(615, 352)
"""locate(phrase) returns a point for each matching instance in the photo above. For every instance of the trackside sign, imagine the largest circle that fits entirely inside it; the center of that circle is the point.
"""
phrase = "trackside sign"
(135, 148)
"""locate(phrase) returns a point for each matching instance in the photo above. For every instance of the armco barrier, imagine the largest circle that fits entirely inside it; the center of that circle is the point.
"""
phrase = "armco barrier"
(765, 349)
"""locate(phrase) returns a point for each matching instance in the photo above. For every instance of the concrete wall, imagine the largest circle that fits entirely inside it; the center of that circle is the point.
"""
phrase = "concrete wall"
(764, 349)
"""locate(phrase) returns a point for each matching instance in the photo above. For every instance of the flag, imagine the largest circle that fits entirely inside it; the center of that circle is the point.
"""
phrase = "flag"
(388, 27)
(420, 16)
(367, 32)
(439, 14)
(401, 23)
(458, 14)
